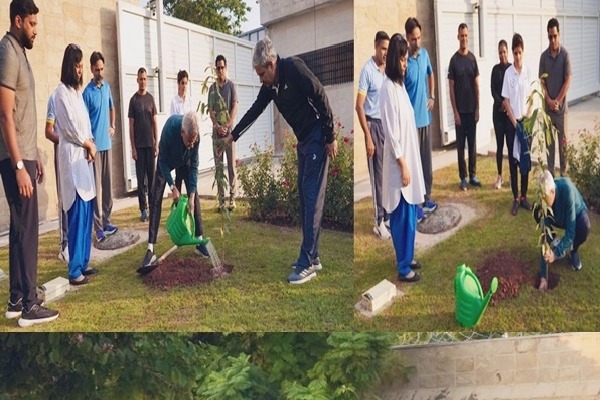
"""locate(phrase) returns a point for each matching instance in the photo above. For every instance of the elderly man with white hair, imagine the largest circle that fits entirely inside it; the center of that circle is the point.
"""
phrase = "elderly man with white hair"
(178, 148)
(570, 214)
(301, 99)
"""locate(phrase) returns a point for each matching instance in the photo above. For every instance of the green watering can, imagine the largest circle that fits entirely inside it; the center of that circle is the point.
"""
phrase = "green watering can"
(180, 224)
(470, 302)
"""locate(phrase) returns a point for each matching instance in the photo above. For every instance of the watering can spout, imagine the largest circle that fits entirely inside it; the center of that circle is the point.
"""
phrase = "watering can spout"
(181, 225)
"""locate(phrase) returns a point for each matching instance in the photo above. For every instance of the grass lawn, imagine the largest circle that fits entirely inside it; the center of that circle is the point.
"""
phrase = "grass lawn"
(428, 305)
(255, 297)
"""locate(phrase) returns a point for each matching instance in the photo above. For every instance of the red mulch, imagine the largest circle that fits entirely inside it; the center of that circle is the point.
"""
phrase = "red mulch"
(511, 273)
(191, 271)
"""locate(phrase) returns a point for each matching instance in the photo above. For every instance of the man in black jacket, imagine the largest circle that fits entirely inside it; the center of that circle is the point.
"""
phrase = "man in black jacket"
(301, 99)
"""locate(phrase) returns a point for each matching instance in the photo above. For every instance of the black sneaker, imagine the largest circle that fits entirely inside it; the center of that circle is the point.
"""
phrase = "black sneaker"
(37, 315)
(14, 310)
(515, 207)
(525, 204)
(149, 263)
(474, 182)
(202, 251)
(575, 261)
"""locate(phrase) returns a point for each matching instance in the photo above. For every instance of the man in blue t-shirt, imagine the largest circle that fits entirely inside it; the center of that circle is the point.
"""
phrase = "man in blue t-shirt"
(369, 116)
(98, 99)
(420, 85)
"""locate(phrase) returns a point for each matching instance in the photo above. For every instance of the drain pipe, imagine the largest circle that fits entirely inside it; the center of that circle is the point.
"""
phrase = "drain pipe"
(481, 8)
(160, 71)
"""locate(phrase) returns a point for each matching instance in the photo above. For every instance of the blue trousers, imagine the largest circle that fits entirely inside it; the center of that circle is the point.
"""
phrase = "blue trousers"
(312, 181)
(403, 226)
(81, 218)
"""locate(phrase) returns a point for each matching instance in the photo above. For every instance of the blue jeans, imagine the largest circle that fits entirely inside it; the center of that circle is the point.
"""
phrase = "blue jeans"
(81, 218)
(312, 181)
(403, 227)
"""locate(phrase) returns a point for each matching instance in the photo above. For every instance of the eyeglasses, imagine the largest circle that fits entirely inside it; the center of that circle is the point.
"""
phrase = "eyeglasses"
(220, 68)
(550, 37)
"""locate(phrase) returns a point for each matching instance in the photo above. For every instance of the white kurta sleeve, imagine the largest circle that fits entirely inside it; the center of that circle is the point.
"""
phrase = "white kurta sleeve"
(390, 119)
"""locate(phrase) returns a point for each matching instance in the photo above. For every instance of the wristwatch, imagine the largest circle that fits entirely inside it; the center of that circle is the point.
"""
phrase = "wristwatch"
(432, 97)
(172, 187)
(19, 165)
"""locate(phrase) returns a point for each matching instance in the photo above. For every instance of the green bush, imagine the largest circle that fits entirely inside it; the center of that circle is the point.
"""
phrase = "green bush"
(260, 185)
(584, 165)
(273, 196)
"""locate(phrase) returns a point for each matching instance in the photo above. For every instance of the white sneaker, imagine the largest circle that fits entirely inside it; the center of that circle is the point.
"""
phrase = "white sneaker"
(499, 182)
(64, 254)
(381, 231)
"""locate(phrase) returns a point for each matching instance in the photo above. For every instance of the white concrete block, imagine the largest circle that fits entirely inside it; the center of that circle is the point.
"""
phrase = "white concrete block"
(378, 298)
(54, 289)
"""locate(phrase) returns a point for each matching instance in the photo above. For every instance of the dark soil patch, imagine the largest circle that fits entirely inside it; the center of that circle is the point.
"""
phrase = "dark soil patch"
(189, 271)
(511, 273)
(553, 280)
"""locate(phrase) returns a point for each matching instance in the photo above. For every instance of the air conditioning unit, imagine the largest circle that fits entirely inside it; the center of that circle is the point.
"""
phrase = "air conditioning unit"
(53, 290)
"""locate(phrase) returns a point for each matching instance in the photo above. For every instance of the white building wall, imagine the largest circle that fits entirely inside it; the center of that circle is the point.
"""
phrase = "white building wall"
(193, 48)
(579, 27)
(297, 27)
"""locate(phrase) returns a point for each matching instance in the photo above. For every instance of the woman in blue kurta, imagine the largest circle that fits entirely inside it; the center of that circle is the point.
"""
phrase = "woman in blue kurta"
(402, 171)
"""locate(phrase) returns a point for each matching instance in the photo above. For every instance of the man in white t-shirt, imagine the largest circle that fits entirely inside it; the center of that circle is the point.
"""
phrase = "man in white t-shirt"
(181, 104)
(516, 89)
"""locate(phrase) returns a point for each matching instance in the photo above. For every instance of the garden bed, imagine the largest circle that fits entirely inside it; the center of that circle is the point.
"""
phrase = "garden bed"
(512, 274)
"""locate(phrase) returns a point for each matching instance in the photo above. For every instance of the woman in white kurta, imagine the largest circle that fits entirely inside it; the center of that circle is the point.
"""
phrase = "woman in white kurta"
(402, 171)
(516, 89)
(76, 151)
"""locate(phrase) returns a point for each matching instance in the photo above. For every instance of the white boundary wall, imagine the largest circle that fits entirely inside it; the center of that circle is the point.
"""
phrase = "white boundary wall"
(580, 34)
(193, 48)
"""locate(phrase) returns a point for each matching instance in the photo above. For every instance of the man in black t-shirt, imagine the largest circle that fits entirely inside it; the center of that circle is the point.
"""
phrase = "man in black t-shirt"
(463, 82)
(143, 136)
(302, 101)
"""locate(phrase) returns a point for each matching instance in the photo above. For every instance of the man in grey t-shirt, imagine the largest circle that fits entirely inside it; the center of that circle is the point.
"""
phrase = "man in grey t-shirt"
(555, 62)
(222, 108)
(20, 165)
